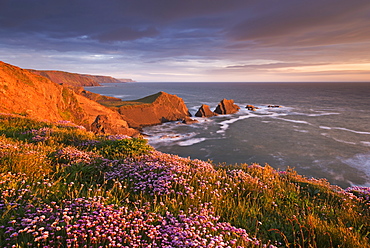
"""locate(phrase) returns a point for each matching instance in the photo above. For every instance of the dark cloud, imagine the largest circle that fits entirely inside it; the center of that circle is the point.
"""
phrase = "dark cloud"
(233, 31)
(306, 23)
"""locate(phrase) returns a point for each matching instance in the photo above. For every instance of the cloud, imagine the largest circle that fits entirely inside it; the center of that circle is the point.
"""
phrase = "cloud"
(305, 23)
(225, 33)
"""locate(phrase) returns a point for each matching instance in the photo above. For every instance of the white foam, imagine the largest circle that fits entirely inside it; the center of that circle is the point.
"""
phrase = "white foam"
(344, 129)
(301, 131)
(365, 143)
(225, 124)
(190, 142)
(338, 140)
(321, 114)
(169, 138)
(121, 96)
(324, 127)
(294, 121)
(361, 162)
(350, 130)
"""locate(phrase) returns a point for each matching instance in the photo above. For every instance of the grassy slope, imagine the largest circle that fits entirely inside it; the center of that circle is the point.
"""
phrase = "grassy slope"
(58, 182)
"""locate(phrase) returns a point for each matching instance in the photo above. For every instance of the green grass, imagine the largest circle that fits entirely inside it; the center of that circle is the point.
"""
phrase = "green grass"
(113, 103)
(49, 163)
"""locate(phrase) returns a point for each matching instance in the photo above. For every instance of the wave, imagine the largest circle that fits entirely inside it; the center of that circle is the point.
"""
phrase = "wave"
(339, 140)
(344, 129)
(190, 142)
(322, 114)
(360, 161)
(301, 131)
(294, 121)
(350, 130)
(365, 143)
(324, 127)
(225, 124)
(120, 96)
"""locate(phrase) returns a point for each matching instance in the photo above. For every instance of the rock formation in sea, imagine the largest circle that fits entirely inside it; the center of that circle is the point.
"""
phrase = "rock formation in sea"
(154, 109)
(226, 107)
(188, 120)
(34, 96)
(251, 107)
(205, 111)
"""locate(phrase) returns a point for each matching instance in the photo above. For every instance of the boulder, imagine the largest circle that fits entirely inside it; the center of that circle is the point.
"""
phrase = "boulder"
(226, 107)
(205, 111)
(111, 124)
(188, 120)
(251, 107)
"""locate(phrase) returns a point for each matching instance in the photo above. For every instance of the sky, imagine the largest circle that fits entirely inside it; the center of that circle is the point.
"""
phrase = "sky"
(191, 40)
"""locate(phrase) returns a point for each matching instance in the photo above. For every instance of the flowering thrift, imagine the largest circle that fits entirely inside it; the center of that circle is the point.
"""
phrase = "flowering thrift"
(41, 134)
(70, 155)
(63, 123)
(159, 173)
(363, 192)
(85, 222)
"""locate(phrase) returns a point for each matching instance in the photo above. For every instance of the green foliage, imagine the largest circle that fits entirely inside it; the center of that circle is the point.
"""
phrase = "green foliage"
(119, 149)
(12, 126)
(50, 162)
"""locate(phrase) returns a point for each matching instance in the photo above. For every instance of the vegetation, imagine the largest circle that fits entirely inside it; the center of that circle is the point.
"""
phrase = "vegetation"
(61, 186)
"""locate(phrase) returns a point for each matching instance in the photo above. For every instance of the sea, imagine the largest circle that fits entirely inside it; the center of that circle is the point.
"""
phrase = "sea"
(321, 130)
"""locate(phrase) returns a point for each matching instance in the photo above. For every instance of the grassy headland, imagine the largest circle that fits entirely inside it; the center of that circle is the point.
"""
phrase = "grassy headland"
(62, 186)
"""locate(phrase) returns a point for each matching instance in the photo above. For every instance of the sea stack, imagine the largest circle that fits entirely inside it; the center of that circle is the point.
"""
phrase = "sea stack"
(153, 110)
(205, 111)
(226, 107)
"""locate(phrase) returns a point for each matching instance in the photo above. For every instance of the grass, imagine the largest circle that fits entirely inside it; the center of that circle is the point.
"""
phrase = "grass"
(113, 103)
(64, 187)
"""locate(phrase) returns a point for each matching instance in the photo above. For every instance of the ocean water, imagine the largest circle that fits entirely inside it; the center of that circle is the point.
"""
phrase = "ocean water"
(322, 130)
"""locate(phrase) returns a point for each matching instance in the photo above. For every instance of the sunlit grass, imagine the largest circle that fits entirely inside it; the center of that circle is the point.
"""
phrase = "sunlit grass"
(61, 186)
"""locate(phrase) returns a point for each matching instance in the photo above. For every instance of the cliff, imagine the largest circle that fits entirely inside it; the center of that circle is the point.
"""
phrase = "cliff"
(75, 79)
(31, 95)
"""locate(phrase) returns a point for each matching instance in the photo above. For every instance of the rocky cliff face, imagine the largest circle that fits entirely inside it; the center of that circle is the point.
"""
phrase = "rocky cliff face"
(25, 93)
(75, 79)
(155, 109)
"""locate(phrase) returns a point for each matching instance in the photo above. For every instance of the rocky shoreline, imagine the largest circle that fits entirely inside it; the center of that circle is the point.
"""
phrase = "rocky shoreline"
(30, 94)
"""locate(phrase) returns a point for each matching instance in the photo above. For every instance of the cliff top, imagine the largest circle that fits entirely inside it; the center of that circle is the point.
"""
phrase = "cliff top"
(76, 79)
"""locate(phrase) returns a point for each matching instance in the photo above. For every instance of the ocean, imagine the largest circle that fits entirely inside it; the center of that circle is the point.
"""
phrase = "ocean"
(321, 130)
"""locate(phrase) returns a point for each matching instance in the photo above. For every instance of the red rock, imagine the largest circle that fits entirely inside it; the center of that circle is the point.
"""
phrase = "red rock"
(226, 107)
(188, 120)
(251, 107)
(205, 111)
(152, 110)
(25, 93)
(112, 124)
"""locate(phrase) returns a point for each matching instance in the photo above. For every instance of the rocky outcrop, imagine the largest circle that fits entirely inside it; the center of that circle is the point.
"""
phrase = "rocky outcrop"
(75, 79)
(31, 95)
(151, 110)
(189, 120)
(112, 124)
(251, 107)
(226, 107)
(205, 111)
